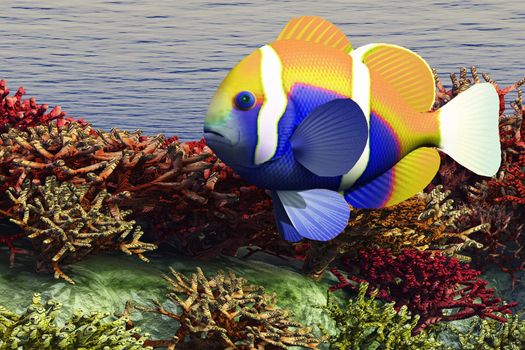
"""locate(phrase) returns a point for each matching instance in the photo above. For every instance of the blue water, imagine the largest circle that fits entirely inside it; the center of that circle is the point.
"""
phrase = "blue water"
(154, 65)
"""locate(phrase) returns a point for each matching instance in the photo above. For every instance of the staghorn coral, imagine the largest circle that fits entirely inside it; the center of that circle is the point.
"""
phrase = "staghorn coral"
(437, 288)
(37, 328)
(464, 82)
(224, 312)
(452, 175)
(490, 335)
(425, 222)
(366, 323)
(19, 113)
(65, 226)
(8, 241)
(496, 202)
(510, 184)
(185, 194)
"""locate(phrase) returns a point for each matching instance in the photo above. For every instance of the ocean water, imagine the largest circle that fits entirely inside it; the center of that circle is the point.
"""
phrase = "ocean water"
(154, 64)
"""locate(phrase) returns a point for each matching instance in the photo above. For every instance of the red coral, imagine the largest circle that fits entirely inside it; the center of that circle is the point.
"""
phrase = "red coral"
(8, 241)
(21, 113)
(427, 284)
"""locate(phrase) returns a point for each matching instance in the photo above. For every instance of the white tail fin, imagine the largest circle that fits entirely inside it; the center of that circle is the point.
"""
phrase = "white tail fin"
(469, 129)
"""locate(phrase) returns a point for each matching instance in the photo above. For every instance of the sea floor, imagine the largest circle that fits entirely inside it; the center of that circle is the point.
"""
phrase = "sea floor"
(106, 282)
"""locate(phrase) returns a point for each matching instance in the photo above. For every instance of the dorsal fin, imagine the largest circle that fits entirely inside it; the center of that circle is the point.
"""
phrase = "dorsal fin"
(404, 70)
(316, 29)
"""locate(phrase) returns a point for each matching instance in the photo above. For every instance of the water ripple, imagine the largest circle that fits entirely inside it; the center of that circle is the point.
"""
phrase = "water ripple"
(141, 64)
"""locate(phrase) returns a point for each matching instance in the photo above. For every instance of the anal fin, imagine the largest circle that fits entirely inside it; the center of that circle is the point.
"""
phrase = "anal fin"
(408, 177)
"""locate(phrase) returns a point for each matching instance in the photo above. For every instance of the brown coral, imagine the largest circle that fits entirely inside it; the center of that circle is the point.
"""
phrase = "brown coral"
(65, 226)
(224, 312)
(495, 202)
(425, 222)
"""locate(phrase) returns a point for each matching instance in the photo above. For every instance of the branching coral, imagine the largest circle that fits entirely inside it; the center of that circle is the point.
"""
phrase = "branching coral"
(64, 225)
(437, 288)
(8, 241)
(490, 335)
(224, 312)
(19, 113)
(424, 222)
(37, 328)
(181, 189)
(366, 323)
(497, 202)
(510, 184)
(463, 83)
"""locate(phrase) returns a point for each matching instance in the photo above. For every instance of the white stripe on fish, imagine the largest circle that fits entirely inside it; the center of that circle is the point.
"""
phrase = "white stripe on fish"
(273, 107)
(361, 95)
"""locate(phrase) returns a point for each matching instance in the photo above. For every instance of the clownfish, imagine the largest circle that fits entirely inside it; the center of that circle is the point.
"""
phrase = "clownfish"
(322, 126)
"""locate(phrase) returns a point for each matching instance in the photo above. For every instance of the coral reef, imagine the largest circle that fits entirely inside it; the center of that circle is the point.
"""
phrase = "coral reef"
(463, 83)
(225, 312)
(424, 222)
(180, 189)
(437, 288)
(490, 335)
(366, 323)
(8, 241)
(64, 225)
(495, 202)
(19, 113)
(38, 328)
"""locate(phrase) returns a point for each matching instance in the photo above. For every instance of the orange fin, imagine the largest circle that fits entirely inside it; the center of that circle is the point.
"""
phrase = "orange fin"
(315, 29)
(406, 71)
(408, 177)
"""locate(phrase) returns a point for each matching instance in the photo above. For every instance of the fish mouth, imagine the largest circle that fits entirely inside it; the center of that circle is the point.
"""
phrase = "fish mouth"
(219, 135)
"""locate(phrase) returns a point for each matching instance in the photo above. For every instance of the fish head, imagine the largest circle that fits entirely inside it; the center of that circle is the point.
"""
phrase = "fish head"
(243, 122)
(230, 127)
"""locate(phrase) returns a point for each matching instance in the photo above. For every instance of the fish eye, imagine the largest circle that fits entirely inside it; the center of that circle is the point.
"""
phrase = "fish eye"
(245, 100)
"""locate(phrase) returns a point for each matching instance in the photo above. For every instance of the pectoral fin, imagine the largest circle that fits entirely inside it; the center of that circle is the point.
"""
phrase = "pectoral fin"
(330, 140)
(317, 214)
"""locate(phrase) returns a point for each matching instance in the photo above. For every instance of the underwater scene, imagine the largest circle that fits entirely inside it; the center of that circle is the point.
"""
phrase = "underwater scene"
(262, 175)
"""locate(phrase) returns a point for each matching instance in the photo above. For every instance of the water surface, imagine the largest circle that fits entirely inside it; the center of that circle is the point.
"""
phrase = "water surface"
(154, 65)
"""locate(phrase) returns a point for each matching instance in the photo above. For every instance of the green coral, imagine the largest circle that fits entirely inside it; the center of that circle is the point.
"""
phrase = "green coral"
(492, 335)
(366, 323)
(225, 312)
(37, 328)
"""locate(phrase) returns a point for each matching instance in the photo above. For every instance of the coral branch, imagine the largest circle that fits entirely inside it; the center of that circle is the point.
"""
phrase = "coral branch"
(437, 288)
(225, 312)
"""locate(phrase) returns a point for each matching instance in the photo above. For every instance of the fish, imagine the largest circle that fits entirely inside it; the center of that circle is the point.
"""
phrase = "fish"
(325, 127)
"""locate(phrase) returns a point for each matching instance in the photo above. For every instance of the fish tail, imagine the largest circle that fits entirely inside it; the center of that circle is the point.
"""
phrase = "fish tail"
(469, 130)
